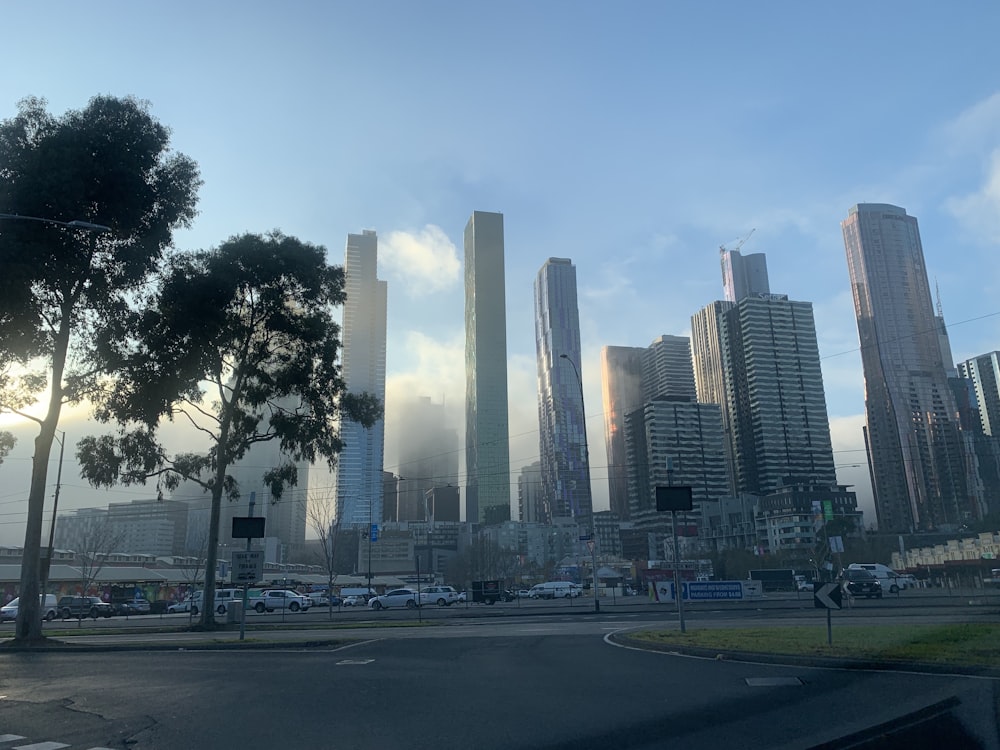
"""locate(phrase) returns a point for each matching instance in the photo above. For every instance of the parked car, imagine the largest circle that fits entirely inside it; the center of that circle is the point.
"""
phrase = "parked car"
(84, 606)
(320, 599)
(273, 599)
(131, 607)
(443, 596)
(862, 583)
(395, 598)
(49, 608)
(353, 601)
(184, 605)
(523, 594)
(462, 596)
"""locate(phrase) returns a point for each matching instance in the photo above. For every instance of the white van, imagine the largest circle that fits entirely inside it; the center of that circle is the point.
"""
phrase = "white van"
(223, 598)
(49, 608)
(891, 581)
(554, 590)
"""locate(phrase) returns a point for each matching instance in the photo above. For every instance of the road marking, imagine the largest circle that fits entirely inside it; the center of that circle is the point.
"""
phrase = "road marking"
(772, 681)
(10, 737)
(42, 746)
(355, 661)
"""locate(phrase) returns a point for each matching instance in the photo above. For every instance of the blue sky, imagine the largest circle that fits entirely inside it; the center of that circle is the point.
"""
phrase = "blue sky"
(633, 138)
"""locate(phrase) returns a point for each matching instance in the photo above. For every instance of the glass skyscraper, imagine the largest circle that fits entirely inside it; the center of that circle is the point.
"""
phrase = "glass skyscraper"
(487, 448)
(359, 465)
(915, 452)
(561, 412)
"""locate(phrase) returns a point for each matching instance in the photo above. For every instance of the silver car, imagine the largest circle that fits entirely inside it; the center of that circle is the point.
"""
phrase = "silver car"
(395, 598)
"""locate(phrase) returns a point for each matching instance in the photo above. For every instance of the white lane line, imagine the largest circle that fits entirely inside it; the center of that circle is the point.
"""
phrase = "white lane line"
(10, 737)
(355, 661)
(42, 746)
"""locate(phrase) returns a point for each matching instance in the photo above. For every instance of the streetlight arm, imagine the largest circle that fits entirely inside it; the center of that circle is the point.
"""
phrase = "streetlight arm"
(75, 224)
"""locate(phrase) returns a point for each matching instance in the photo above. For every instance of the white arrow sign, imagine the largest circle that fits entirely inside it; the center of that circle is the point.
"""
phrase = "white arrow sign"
(828, 595)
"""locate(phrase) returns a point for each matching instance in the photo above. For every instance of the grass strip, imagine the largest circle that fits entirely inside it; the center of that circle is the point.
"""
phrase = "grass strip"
(966, 644)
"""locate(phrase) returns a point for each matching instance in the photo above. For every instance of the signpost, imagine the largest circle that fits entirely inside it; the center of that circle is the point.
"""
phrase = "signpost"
(828, 597)
(248, 528)
(674, 499)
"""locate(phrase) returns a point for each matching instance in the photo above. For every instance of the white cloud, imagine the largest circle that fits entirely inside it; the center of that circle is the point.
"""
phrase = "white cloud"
(976, 128)
(979, 212)
(426, 260)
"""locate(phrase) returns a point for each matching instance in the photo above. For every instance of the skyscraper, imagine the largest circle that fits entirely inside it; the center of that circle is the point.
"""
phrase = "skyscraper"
(915, 451)
(621, 390)
(984, 372)
(359, 466)
(743, 275)
(755, 354)
(631, 377)
(561, 430)
(778, 420)
(487, 448)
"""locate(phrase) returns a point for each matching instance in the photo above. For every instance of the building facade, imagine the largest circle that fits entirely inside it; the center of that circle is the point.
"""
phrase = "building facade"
(487, 438)
(984, 372)
(621, 389)
(915, 452)
(561, 411)
(359, 465)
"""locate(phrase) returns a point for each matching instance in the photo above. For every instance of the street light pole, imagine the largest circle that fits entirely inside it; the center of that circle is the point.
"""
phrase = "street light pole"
(586, 464)
(52, 525)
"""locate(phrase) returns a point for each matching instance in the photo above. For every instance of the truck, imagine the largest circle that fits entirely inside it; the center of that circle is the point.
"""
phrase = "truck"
(775, 579)
(488, 592)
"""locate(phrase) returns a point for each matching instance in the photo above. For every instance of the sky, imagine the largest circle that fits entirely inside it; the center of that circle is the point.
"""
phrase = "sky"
(633, 138)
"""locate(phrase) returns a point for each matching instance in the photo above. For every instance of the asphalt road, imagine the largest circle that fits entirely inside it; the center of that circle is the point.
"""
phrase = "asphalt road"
(525, 690)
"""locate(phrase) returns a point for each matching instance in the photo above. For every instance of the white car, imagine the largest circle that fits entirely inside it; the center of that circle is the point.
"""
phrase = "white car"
(49, 609)
(282, 599)
(443, 596)
(395, 598)
(353, 601)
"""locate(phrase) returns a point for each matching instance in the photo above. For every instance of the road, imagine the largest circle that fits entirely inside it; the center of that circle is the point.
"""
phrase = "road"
(522, 690)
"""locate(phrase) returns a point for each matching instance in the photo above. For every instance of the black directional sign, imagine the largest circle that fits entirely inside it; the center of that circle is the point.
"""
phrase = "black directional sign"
(827, 596)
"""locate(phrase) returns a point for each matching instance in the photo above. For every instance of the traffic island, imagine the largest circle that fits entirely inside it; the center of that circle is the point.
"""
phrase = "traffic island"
(966, 648)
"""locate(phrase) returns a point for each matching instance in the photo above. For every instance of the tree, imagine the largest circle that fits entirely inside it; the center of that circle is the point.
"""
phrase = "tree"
(7, 442)
(99, 539)
(110, 163)
(252, 321)
(320, 514)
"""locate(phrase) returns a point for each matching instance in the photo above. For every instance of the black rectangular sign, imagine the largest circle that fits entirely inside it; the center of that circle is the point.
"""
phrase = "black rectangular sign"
(248, 528)
(674, 498)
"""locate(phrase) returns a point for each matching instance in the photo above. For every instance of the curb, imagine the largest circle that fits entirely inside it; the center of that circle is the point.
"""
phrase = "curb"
(795, 660)
(59, 647)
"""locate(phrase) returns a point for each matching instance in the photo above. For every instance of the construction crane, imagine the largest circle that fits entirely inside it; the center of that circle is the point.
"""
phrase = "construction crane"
(739, 244)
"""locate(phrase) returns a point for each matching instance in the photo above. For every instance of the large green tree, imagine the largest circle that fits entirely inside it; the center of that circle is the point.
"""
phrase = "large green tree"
(240, 343)
(108, 164)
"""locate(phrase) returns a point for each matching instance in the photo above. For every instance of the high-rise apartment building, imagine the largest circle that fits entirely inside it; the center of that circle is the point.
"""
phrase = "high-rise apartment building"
(743, 275)
(359, 465)
(561, 413)
(756, 356)
(778, 421)
(674, 440)
(631, 377)
(915, 451)
(530, 507)
(487, 439)
(621, 389)
(984, 372)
